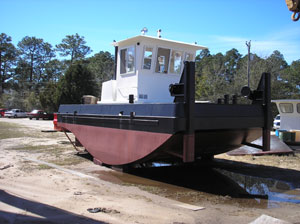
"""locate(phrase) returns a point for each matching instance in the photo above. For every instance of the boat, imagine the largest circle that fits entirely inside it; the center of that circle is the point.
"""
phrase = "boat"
(148, 113)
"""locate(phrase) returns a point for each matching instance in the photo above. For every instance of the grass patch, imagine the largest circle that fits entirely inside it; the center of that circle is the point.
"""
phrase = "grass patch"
(50, 150)
(54, 152)
(153, 189)
(28, 166)
(30, 148)
(44, 167)
(10, 130)
(72, 160)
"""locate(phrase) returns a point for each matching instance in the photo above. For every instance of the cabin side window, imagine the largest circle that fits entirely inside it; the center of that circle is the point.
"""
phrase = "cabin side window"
(176, 61)
(127, 56)
(286, 107)
(298, 108)
(189, 57)
(148, 52)
(162, 60)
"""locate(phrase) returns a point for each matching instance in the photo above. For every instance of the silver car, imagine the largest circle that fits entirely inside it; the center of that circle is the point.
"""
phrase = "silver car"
(276, 123)
(15, 113)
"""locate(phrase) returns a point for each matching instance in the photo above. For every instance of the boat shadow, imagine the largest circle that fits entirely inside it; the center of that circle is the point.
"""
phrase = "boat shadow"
(265, 186)
(229, 178)
(261, 171)
(36, 212)
(200, 178)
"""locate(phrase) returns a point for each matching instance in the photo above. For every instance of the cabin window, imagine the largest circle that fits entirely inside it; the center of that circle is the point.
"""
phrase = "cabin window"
(127, 60)
(298, 108)
(143, 96)
(162, 61)
(188, 57)
(176, 59)
(148, 51)
(286, 107)
(123, 61)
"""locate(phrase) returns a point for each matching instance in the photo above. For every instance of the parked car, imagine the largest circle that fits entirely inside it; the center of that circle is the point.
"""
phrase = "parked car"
(2, 112)
(37, 114)
(276, 122)
(15, 113)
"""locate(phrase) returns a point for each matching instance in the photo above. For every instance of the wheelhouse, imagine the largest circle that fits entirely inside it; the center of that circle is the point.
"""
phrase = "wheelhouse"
(146, 66)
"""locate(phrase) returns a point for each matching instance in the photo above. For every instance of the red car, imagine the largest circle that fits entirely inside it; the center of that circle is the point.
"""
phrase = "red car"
(2, 112)
(37, 114)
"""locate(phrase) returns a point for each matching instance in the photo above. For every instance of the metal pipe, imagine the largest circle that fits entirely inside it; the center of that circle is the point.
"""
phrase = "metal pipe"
(248, 64)
(226, 99)
(234, 99)
(116, 61)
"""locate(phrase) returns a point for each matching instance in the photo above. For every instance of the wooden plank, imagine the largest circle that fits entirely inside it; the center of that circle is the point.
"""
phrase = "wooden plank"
(188, 206)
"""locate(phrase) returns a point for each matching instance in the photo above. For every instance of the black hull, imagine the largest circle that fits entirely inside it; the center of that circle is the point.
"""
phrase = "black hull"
(163, 118)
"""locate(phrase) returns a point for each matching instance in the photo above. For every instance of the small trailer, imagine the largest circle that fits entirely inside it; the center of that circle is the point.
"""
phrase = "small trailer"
(289, 130)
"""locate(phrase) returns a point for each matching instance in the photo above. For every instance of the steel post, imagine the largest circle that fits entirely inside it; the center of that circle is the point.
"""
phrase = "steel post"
(267, 112)
(189, 111)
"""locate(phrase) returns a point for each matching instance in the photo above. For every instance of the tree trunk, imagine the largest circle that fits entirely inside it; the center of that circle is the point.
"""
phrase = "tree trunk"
(31, 69)
(2, 78)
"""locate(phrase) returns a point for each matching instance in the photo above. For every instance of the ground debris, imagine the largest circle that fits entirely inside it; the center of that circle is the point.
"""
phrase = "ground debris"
(104, 210)
(188, 206)
(5, 167)
(265, 219)
(48, 130)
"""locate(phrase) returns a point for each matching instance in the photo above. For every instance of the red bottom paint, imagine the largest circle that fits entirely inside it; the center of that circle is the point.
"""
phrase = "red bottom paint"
(116, 146)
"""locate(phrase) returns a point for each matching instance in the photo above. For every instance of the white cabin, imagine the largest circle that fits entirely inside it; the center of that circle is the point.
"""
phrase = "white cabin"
(289, 114)
(146, 66)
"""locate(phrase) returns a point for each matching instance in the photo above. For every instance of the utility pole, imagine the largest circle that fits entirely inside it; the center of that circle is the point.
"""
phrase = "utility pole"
(248, 44)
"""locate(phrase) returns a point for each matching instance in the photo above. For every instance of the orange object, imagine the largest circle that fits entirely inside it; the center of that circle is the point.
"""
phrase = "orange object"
(56, 127)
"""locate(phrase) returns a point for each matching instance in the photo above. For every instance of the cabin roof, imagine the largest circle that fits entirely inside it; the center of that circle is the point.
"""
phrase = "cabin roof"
(144, 37)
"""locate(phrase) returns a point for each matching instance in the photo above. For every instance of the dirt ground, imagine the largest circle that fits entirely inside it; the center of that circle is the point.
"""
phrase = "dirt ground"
(43, 180)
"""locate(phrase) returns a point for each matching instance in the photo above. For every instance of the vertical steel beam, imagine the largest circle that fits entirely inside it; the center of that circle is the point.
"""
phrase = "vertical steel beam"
(267, 111)
(189, 111)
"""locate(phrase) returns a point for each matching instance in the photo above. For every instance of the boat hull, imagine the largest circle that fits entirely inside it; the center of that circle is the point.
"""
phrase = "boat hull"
(116, 146)
(135, 133)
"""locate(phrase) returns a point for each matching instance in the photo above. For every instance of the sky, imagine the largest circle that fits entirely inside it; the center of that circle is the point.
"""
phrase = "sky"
(219, 25)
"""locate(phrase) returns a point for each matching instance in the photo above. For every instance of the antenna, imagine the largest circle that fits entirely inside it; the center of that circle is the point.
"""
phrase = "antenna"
(144, 30)
(248, 44)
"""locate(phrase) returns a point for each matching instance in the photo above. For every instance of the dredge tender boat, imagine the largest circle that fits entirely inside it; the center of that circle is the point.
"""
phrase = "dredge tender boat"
(148, 111)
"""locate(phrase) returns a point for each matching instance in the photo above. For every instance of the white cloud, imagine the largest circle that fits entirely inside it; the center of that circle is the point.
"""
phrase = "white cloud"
(286, 41)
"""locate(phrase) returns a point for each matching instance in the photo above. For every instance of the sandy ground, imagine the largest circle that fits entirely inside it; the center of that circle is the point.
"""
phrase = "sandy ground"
(42, 180)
